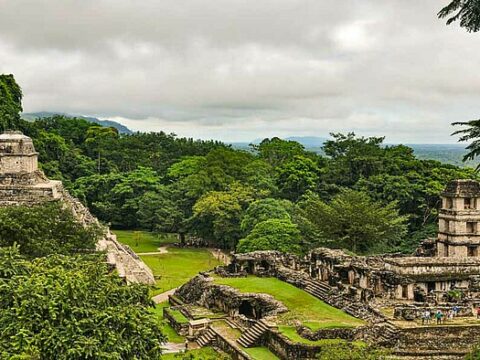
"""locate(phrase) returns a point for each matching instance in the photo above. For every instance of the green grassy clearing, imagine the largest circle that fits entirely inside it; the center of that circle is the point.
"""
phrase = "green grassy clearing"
(178, 316)
(142, 241)
(173, 268)
(302, 306)
(206, 353)
(260, 353)
(178, 266)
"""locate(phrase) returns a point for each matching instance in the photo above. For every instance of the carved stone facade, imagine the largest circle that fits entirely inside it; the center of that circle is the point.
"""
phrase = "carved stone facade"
(22, 183)
(459, 219)
(453, 264)
(20, 180)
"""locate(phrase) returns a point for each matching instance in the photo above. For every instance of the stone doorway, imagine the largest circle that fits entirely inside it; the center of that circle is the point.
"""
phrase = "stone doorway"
(247, 309)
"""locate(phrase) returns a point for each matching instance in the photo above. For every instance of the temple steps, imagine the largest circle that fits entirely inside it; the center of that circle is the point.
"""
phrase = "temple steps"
(206, 338)
(389, 334)
(318, 289)
(253, 334)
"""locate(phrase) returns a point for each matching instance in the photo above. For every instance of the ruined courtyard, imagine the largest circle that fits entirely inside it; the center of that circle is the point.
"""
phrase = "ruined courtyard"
(287, 306)
(385, 296)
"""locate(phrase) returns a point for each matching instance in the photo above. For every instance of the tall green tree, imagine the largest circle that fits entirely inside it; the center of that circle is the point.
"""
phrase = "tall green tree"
(158, 211)
(297, 176)
(73, 308)
(275, 151)
(265, 209)
(10, 102)
(217, 215)
(353, 158)
(45, 229)
(273, 234)
(472, 132)
(352, 220)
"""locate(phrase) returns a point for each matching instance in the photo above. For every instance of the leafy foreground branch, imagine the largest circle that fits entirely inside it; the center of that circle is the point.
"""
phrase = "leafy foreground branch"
(71, 307)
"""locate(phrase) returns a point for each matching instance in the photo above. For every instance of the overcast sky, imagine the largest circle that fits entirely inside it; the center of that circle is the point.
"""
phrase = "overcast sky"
(247, 69)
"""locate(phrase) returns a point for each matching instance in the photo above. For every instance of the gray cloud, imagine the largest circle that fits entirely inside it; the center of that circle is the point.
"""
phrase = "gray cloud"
(243, 69)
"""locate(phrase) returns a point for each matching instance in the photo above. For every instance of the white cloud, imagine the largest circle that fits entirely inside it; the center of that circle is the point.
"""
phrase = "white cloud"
(246, 69)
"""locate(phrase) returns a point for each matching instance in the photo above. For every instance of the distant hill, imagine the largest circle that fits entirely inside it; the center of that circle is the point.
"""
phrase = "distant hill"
(110, 123)
(308, 141)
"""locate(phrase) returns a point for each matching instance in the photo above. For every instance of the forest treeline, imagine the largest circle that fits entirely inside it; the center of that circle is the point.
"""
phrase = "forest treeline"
(359, 195)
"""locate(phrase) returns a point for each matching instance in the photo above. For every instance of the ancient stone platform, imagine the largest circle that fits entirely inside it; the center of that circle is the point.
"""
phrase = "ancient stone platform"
(23, 183)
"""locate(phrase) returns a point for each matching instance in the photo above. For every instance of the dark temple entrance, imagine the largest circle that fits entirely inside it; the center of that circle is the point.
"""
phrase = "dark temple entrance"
(247, 309)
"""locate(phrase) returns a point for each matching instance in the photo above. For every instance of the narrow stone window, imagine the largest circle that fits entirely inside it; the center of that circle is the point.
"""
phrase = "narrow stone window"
(467, 203)
(472, 251)
(404, 291)
(447, 226)
(448, 203)
(471, 227)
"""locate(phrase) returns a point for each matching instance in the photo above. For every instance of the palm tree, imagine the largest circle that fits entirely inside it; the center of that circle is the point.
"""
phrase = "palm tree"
(472, 132)
(467, 11)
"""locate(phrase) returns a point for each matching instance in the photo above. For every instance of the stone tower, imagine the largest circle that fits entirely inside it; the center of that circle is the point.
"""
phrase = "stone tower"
(21, 182)
(459, 220)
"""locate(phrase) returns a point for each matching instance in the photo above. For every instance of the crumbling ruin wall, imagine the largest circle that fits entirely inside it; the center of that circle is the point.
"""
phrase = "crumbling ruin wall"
(122, 257)
(297, 271)
(438, 338)
(202, 290)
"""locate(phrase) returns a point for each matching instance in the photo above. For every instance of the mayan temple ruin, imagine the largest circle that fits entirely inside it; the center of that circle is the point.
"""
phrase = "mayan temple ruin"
(389, 292)
(23, 183)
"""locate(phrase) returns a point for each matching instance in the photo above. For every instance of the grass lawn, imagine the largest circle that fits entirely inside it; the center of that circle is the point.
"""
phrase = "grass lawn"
(302, 306)
(203, 353)
(260, 353)
(177, 315)
(142, 241)
(173, 268)
(178, 266)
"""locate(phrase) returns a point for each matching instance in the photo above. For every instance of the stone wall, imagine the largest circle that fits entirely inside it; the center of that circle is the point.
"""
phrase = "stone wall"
(180, 328)
(439, 339)
(128, 265)
(202, 291)
(287, 349)
(229, 347)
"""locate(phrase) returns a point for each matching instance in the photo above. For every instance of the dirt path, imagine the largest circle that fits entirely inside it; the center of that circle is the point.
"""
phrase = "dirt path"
(172, 348)
(221, 256)
(163, 296)
(161, 250)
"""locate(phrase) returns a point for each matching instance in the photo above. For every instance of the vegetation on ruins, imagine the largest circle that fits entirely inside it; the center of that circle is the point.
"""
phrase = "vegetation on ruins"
(72, 307)
(342, 350)
(302, 306)
(45, 229)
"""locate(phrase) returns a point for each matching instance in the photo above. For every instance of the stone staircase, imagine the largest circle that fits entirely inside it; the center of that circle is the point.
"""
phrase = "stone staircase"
(253, 334)
(318, 289)
(389, 334)
(206, 337)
